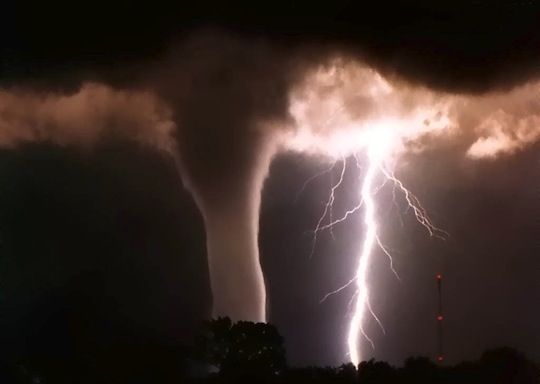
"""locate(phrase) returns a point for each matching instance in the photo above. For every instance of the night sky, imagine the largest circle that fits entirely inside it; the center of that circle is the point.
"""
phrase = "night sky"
(105, 247)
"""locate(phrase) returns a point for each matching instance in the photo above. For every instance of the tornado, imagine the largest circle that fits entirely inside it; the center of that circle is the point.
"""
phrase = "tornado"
(215, 102)
(231, 216)
(231, 104)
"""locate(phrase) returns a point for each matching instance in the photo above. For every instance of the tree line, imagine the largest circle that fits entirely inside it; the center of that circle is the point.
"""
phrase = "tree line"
(254, 353)
(247, 352)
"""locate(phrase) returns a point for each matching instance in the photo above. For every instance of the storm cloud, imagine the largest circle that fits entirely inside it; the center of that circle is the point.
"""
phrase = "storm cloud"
(222, 103)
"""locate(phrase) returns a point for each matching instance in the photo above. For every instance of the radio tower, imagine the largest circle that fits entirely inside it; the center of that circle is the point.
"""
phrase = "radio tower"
(439, 320)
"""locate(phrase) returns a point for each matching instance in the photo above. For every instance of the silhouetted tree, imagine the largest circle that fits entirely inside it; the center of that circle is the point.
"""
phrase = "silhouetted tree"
(375, 372)
(253, 353)
(508, 366)
(420, 370)
(243, 349)
(347, 373)
(211, 346)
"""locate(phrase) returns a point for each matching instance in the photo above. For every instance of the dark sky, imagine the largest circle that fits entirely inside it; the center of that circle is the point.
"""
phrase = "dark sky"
(106, 246)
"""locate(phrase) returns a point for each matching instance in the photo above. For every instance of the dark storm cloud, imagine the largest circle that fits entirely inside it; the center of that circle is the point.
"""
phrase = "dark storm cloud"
(465, 48)
(246, 76)
(457, 45)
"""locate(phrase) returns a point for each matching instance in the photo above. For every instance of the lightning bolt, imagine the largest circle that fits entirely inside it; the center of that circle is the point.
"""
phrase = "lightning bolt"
(370, 241)
(377, 152)
(376, 165)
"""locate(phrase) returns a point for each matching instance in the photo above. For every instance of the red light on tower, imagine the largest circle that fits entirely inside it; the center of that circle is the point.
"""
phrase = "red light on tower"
(439, 276)
(439, 318)
(440, 358)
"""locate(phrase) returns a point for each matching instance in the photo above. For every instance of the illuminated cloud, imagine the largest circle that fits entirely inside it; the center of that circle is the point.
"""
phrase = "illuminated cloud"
(93, 113)
(339, 107)
(503, 123)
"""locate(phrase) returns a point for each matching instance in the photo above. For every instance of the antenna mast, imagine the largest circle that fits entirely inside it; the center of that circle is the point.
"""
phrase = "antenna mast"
(440, 319)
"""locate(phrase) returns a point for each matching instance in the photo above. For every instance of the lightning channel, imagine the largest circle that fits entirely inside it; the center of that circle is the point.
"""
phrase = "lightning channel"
(376, 166)
(362, 300)
(376, 154)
